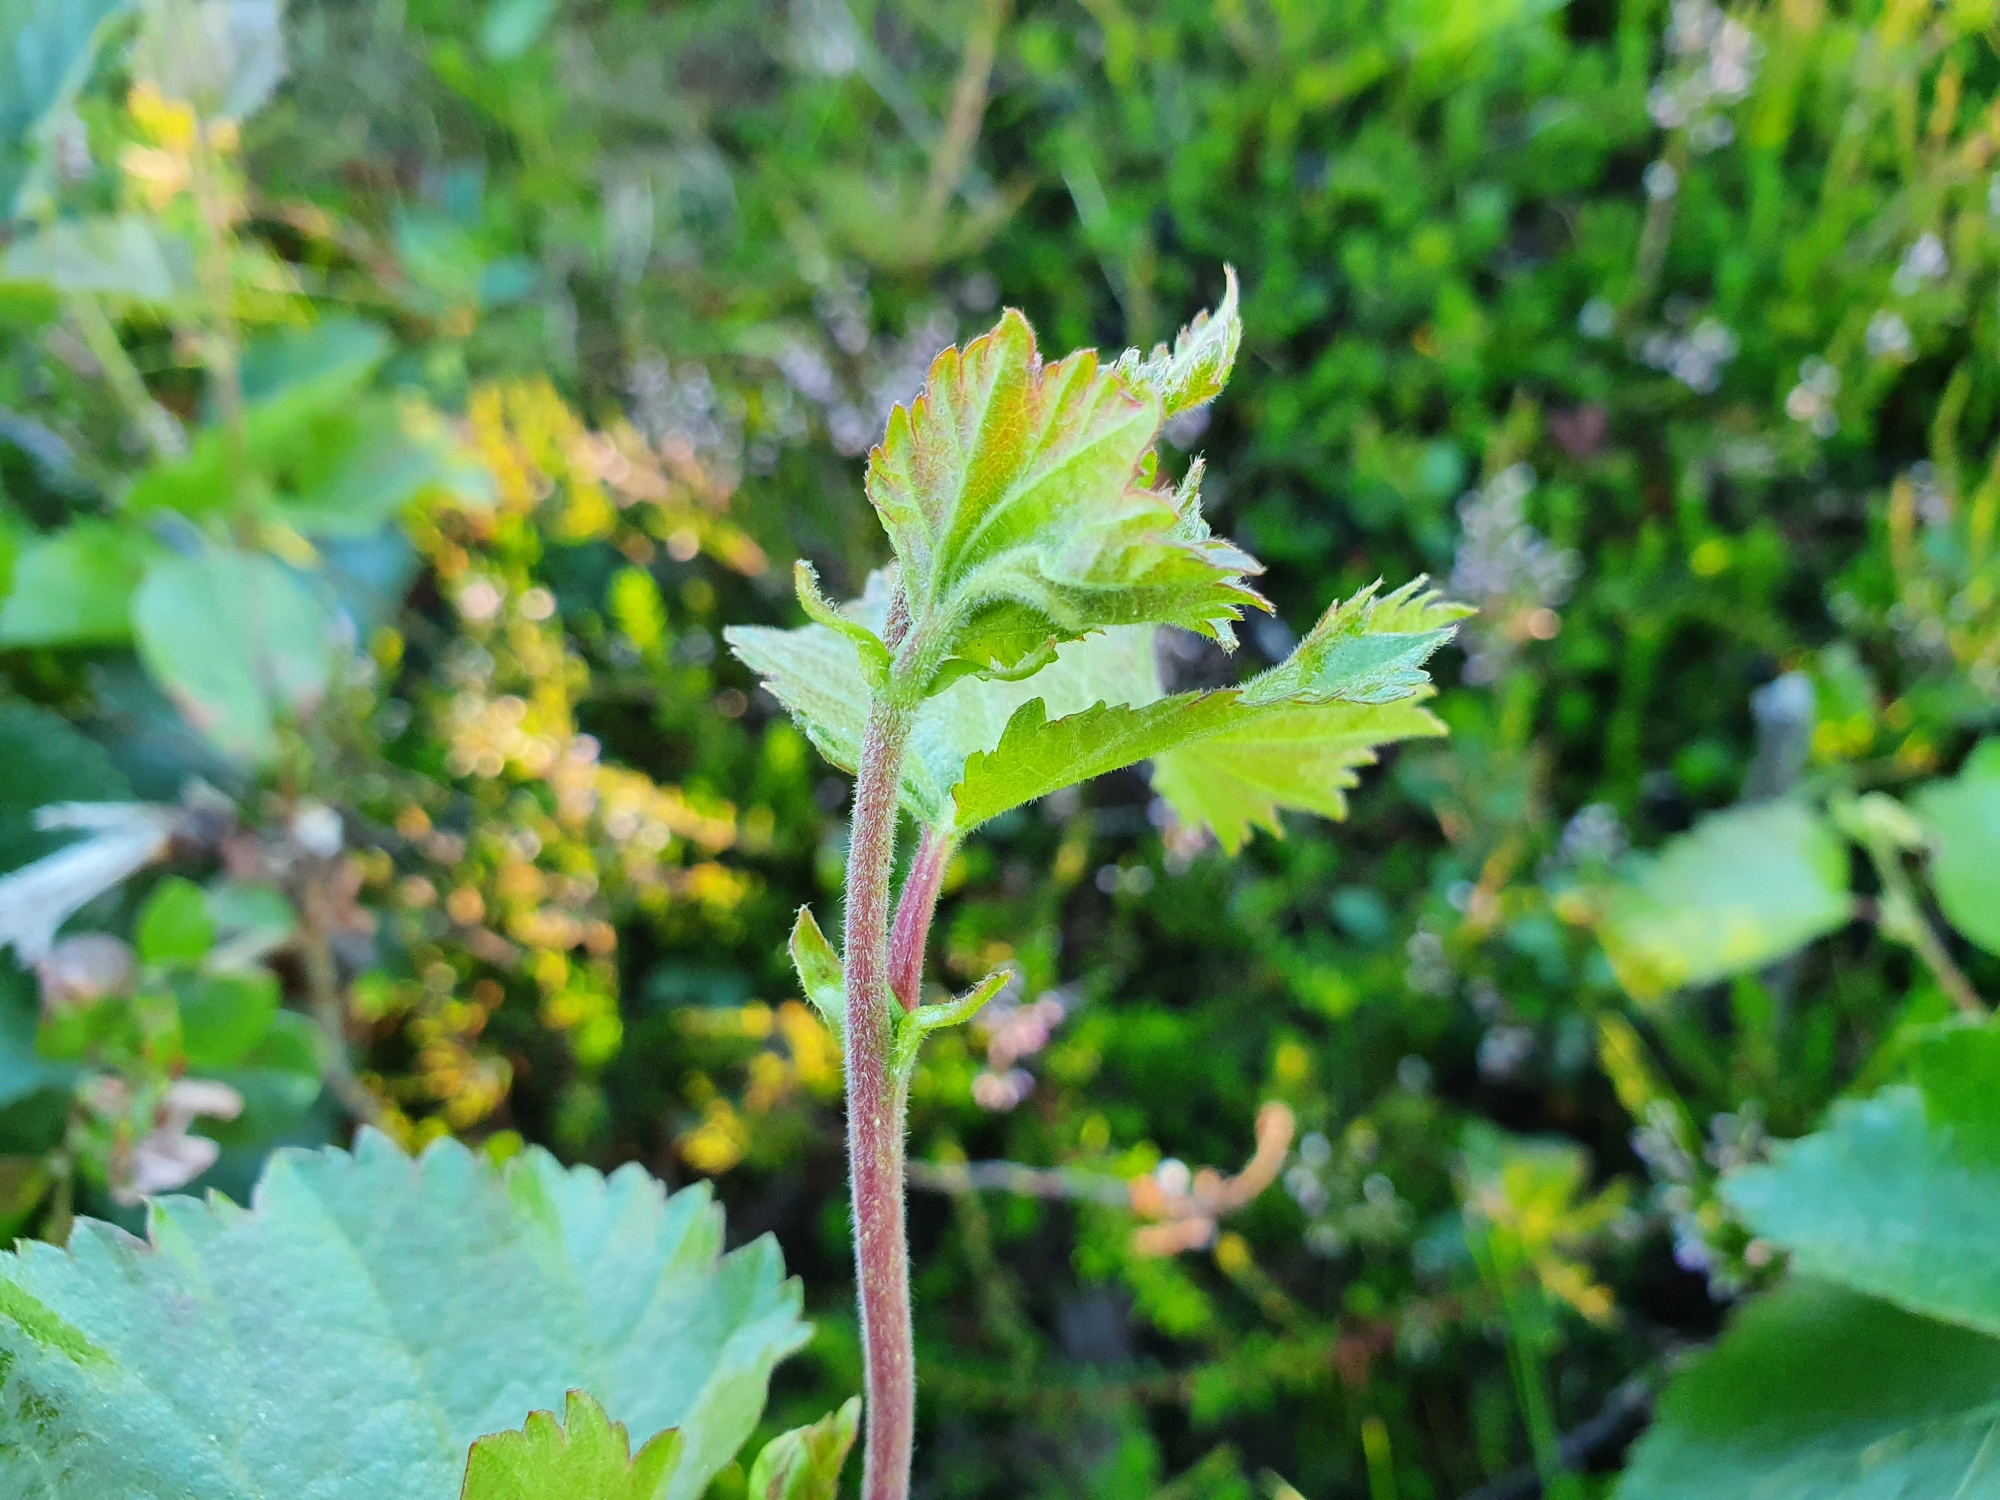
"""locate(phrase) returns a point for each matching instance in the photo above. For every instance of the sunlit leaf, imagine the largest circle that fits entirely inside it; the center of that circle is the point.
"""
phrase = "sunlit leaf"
(586, 1456)
(1742, 890)
(1197, 367)
(816, 673)
(1014, 496)
(368, 1318)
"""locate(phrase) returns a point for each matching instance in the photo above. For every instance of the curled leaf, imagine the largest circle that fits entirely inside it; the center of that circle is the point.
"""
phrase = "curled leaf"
(1013, 494)
(1198, 366)
(819, 972)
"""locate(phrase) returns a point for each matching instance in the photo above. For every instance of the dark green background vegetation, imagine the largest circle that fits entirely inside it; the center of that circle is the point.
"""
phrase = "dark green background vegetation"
(1690, 388)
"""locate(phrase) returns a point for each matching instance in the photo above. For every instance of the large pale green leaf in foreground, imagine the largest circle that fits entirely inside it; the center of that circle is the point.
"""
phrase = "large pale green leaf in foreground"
(1017, 497)
(1742, 890)
(1816, 1393)
(1962, 816)
(1899, 1196)
(1226, 759)
(351, 1334)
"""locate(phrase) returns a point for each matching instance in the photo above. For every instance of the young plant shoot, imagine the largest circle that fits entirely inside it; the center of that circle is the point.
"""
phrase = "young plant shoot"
(1007, 653)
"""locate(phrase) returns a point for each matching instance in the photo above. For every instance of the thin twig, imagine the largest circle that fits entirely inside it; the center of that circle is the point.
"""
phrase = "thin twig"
(968, 110)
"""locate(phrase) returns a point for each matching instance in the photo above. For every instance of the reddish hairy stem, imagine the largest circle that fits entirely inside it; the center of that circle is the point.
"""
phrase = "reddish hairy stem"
(875, 1116)
(914, 910)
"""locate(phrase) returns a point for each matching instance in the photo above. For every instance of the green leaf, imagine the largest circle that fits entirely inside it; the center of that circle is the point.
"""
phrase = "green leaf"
(1197, 367)
(913, 1026)
(174, 926)
(511, 27)
(368, 1318)
(47, 48)
(46, 762)
(585, 1457)
(1012, 493)
(1899, 1196)
(1228, 759)
(327, 458)
(121, 256)
(1742, 890)
(74, 587)
(819, 971)
(1962, 816)
(237, 641)
(1303, 759)
(1816, 1393)
(307, 369)
(815, 672)
(225, 1016)
(805, 1463)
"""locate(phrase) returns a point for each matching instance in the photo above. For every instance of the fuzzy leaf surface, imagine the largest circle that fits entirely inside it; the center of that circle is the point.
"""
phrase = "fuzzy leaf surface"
(367, 1318)
(1817, 1393)
(1197, 367)
(1014, 495)
(1229, 759)
(817, 674)
(1744, 888)
(586, 1456)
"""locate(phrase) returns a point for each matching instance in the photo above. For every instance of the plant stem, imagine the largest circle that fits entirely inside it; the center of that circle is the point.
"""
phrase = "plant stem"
(161, 430)
(914, 909)
(876, 1101)
(1901, 916)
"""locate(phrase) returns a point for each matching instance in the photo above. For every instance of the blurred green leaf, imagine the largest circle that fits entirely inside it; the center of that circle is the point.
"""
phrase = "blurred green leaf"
(124, 257)
(1816, 1393)
(805, 1463)
(1742, 890)
(511, 27)
(586, 1456)
(47, 48)
(237, 641)
(74, 587)
(174, 926)
(225, 1016)
(370, 1317)
(1899, 1196)
(47, 762)
(1962, 816)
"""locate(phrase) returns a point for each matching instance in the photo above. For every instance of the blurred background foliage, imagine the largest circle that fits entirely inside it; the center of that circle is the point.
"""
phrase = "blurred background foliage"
(398, 396)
